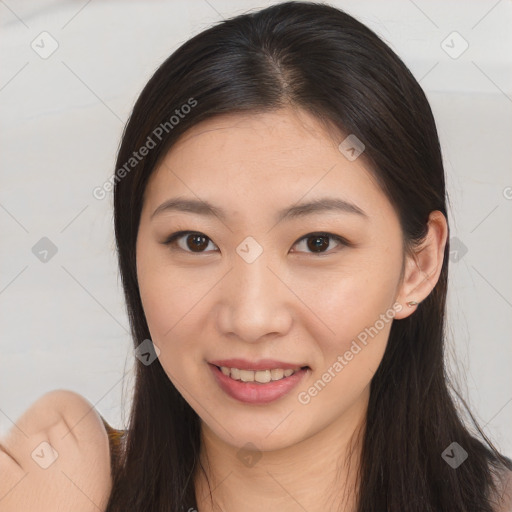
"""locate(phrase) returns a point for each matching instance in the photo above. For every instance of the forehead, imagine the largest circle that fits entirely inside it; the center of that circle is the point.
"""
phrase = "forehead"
(274, 158)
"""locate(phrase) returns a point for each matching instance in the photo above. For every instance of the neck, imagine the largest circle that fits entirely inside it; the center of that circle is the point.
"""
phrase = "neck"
(316, 474)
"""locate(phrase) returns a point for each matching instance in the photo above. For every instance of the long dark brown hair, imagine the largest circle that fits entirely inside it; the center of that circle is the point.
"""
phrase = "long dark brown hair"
(322, 60)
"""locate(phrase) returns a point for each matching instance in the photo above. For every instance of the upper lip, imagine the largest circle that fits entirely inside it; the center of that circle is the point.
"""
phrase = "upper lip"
(261, 364)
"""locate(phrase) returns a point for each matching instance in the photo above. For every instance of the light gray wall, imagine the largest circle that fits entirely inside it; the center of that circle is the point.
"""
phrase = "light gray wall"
(63, 323)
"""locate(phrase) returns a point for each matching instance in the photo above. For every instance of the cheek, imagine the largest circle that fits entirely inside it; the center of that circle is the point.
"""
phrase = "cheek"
(165, 293)
(348, 300)
(359, 324)
(361, 315)
(355, 306)
(172, 308)
(173, 300)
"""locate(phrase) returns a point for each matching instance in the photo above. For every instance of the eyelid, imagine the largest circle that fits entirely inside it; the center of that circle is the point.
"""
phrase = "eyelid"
(171, 239)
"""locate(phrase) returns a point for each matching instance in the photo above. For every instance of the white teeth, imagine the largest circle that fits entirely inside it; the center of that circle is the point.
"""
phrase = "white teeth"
(262, 376)
(277, 374)
(247, 375)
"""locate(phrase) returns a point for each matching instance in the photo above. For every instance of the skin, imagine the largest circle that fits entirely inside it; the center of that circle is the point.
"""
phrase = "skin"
(289, 304)
(79, 477)
(253, 311)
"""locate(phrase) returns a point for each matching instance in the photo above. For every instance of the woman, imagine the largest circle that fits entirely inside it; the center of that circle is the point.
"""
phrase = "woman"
(281, 224)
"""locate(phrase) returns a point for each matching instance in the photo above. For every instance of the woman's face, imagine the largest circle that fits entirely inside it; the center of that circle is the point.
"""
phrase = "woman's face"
(252, 284)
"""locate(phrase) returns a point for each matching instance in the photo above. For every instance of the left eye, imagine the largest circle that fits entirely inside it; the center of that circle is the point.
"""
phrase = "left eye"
(197, 241)
(320, 241)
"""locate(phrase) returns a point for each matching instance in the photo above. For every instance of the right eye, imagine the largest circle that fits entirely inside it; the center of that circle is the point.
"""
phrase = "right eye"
(194, 241)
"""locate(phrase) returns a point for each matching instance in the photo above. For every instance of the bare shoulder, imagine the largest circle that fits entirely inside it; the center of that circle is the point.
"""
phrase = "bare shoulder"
(57, 452)
(505, 492)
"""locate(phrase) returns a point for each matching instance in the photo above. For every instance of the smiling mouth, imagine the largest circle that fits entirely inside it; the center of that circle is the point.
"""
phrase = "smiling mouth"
(259, 376)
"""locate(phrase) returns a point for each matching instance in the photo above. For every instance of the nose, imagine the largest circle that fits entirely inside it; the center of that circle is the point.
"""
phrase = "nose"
(255, 303)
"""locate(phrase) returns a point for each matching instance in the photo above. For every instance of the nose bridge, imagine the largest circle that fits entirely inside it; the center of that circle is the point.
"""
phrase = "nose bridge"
(255, 277)
(251, 299)
(250, 261)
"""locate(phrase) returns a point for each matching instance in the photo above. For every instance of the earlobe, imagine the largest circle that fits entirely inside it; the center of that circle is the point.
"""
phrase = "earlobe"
(423, 267)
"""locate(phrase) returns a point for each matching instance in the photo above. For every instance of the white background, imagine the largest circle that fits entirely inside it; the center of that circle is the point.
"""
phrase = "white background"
(63, 322)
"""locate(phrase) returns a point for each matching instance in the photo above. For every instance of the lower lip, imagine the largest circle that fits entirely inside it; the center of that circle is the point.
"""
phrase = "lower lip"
(257, 393)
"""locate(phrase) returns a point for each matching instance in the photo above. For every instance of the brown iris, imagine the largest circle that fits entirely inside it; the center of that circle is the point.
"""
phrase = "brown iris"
(199, 243)
(315, 245)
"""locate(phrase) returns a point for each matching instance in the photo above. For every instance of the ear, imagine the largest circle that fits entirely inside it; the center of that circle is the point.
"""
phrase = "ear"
(423, 267)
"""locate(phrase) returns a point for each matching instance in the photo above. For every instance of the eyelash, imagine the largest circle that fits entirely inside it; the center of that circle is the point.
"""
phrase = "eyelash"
(172, 239)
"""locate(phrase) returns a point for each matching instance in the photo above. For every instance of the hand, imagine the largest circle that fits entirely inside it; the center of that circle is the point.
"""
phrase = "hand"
(56, 458)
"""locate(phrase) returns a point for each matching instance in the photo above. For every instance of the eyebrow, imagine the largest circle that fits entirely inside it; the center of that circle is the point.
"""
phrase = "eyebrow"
(201, 207)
